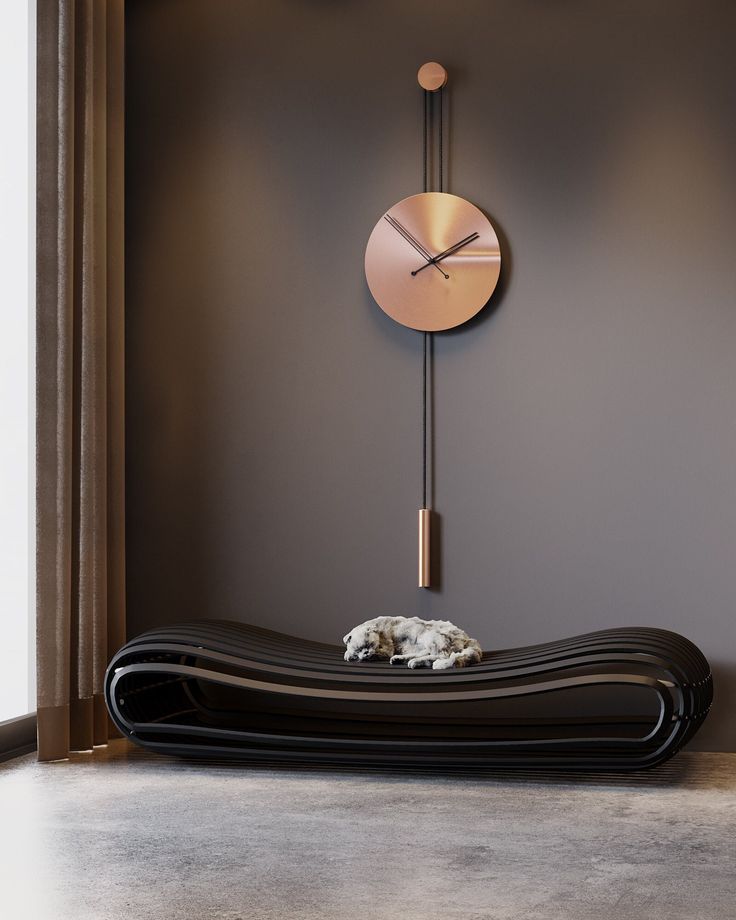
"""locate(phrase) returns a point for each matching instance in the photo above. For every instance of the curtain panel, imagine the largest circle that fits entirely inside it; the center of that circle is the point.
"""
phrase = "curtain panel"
(80, 565)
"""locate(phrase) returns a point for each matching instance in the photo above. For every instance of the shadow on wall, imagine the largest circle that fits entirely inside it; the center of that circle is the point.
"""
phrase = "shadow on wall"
(719, 734)
(491, 307)
(435, 563)
(504, 280)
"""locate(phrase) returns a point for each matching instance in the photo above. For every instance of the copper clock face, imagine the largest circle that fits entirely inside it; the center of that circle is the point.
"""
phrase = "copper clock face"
(432, 261)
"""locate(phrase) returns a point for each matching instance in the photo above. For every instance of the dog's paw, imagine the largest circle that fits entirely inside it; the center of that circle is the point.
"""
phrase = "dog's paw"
(442, 664)
(398, 659)
(419, 663)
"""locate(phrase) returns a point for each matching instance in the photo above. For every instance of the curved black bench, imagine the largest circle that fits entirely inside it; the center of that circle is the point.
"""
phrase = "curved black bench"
(620, 699)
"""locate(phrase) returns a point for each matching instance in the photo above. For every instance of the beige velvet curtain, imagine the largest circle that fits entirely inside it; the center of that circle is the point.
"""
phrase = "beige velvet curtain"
(79, 377)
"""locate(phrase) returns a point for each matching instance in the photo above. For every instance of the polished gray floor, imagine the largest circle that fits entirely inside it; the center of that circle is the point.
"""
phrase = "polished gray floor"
(123, 834)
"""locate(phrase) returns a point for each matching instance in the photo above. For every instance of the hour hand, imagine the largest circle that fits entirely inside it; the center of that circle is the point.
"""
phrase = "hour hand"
(402, 231)
(448, 252)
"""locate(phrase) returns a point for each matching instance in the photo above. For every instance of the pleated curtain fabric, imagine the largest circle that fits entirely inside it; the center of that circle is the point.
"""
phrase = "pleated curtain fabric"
(80, 372)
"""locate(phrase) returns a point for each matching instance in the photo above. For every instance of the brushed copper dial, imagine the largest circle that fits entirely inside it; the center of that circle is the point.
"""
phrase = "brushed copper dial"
(432, 261)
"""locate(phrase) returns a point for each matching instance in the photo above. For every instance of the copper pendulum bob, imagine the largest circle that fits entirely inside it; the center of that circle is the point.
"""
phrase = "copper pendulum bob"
(425, 545)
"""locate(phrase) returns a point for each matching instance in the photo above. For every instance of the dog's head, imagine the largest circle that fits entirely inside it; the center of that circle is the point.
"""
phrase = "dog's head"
(367, 641)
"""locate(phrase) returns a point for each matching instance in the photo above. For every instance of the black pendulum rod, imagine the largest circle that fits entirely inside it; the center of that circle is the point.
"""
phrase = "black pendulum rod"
(439, 97)
(428, 342)
(425, 335)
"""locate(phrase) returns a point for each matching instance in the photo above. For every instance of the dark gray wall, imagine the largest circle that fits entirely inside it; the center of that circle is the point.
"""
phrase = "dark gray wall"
(586, 429)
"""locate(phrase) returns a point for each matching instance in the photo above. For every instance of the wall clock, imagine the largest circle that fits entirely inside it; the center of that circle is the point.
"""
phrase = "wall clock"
(432, 263)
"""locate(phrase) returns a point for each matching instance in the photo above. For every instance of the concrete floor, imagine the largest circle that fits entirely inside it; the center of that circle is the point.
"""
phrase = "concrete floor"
(124, 834)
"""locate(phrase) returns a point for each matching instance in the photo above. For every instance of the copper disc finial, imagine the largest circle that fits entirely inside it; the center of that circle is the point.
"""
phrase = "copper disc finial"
(432, 76)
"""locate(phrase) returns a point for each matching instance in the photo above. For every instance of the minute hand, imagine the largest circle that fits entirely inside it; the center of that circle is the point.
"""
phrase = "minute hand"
(448, 252)
(402, 231)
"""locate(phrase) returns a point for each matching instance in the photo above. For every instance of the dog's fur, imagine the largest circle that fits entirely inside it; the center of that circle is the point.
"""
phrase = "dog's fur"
(417, 643)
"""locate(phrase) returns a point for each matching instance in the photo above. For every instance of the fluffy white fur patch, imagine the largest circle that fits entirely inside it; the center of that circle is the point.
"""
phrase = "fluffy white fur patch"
(408, 640)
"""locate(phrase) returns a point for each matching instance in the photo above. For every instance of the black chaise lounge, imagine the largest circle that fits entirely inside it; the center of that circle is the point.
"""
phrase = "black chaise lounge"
(621, 699)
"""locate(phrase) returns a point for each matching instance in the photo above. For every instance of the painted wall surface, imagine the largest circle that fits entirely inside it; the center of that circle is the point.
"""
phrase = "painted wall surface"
(585, 451)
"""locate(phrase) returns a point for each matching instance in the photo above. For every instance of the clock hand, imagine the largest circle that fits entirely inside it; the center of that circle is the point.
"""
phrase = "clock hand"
(453, 249)
(448, 252)
(400, 229)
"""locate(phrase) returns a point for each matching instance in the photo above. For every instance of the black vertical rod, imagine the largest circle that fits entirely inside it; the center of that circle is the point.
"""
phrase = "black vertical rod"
(425, 337)
(442, 181)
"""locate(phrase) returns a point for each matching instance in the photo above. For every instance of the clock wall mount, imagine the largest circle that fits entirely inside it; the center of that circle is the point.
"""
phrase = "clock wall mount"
(432, 263)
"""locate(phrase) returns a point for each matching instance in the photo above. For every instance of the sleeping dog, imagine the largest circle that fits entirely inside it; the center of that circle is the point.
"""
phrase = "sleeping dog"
(417, 643)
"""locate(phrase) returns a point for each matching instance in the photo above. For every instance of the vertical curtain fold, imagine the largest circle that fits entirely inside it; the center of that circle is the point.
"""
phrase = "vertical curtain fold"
(80, 373)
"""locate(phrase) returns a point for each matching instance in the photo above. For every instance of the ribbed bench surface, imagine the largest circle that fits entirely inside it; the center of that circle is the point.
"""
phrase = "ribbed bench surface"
(620, 699)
